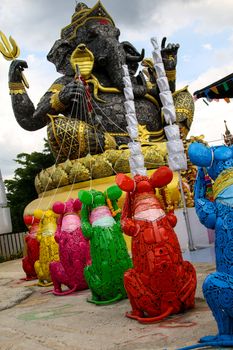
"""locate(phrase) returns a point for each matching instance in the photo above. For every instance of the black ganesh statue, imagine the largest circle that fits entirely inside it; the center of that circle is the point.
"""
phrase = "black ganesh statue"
(84, 108)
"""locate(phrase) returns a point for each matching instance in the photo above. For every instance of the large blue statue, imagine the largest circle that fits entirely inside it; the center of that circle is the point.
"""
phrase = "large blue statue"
(217, 162)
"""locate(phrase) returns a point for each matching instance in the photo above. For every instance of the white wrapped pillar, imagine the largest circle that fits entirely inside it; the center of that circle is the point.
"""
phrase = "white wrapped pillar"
(177, 160)
(136, 159)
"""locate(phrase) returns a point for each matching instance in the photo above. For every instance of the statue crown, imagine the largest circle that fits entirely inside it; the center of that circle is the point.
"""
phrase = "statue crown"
(83, 14)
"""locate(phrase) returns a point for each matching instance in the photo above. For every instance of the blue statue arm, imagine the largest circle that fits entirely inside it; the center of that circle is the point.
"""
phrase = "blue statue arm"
(205, 209)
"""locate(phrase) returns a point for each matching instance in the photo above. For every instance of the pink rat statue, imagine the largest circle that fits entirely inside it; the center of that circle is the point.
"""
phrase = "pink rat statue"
(74, 250)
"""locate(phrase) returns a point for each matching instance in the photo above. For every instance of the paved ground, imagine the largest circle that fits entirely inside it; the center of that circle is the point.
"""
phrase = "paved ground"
(33, 319)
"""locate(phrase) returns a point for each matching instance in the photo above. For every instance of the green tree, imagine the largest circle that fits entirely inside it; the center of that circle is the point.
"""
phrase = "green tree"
(21, 189)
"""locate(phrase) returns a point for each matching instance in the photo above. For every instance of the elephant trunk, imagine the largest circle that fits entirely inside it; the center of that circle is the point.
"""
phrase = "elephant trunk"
(116, 58)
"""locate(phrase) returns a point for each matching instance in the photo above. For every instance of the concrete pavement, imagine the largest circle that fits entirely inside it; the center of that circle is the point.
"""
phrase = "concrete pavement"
(33, 319)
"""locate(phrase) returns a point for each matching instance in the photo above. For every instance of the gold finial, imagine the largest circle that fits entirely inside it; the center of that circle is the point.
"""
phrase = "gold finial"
(8, 48)
(10, 51)
(228, 137)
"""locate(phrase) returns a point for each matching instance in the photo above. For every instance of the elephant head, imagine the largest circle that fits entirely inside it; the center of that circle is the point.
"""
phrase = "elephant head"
(96, 30)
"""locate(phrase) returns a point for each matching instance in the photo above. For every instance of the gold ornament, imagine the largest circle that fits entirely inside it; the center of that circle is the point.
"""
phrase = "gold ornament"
(56, 104)
(224, 180)
(16, 88)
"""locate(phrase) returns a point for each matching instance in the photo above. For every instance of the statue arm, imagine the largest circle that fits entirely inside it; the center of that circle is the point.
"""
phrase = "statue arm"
(129, 227)
(39, 235)
(172, 218)
(56, 100)
(205, 209)
(86, 226)
(57, 234)
(116, 211)
(169, 56)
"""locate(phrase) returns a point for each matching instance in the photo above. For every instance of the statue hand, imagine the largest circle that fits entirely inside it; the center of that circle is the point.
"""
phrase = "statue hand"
(73, 90)
(15, 71)
(169, 54)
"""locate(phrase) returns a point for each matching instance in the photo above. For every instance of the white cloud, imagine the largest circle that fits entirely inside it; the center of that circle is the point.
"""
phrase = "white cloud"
(207, 46)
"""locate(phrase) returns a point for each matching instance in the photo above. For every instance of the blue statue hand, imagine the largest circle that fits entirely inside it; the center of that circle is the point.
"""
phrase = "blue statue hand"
(200, 185)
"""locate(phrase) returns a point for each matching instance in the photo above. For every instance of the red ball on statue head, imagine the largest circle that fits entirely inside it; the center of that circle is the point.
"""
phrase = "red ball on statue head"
(161, 177)
(125, 182)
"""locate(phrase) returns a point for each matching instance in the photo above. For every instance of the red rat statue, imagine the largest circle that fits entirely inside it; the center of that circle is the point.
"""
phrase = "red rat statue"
(32, 247)
(160, 283)
(74, 251)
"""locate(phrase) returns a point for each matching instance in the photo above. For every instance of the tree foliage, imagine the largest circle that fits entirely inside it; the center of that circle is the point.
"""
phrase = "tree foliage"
(21, 189)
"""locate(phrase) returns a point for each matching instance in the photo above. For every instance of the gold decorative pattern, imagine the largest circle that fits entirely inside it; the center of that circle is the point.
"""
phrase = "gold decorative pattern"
(72, 138)
(224, 180)
(171, 74)
(184, 106)
(16, 88)
(145, 136)
(56, 104)
(55, 88)
(97, 166)
(110, 142)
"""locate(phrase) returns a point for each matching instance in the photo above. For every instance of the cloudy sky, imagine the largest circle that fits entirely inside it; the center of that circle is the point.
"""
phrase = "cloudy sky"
(203, 28)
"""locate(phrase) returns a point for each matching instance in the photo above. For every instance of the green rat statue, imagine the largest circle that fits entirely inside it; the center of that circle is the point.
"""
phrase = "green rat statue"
(100, 218)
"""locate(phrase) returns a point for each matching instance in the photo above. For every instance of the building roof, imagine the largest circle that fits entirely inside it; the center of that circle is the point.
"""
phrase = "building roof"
(221, 89)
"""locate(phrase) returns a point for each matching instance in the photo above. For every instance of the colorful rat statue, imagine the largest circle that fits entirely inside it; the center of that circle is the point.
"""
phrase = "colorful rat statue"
(217, 213)
(100, 217)
(32, 247)
(48, 245)
(160, 283)
(74, 251)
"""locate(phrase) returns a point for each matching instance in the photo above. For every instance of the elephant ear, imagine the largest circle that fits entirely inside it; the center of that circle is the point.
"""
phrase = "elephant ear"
(58, 54)
(85, 197)
(113, 192)
(125, 182)
(161, 177)
(200, 154)
(59, 207)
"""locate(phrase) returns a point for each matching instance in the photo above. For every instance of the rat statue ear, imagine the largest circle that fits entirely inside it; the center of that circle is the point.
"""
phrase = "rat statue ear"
(113, 192)
(200, 154)
(161, 177)
(30, 219)
(77, 204)
(125, 182)
(39, 213)
(59, 207)
(85, 197)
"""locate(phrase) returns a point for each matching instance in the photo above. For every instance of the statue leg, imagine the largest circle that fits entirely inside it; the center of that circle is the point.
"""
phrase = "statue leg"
(77, 274)
(58, 276)
(188, 287)
(28, 268)
(142, 300)
(94, 283)
(218, 291)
